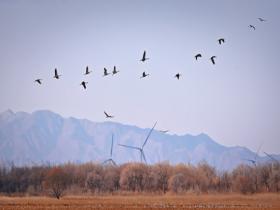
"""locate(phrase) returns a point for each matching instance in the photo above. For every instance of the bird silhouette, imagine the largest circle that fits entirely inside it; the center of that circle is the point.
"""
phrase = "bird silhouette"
(107, 115)
(56, 75)
(87, 71)
(221, 40)
(105, 72)
(178, 75)
(83, 83)
(261, 19)
(198, 56)
(39, 81)
(212, 59)
(144, 57)
(144, 75)
(115, 71)
(253, 27)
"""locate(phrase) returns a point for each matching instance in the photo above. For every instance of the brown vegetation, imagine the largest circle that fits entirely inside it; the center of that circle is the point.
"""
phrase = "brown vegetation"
(137, 178)
(168, 202)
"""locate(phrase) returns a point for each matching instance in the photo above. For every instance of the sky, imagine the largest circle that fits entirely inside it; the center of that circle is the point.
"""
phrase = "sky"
(236, 101)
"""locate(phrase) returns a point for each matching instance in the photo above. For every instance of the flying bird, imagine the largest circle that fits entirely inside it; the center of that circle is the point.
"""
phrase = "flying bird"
(212, 59)
(198, 56)
(221, 40)
(56, 75)
(87, 71)
(144, 57)
(261, 19)
(105, 72)
(107, 115)
(115, 71)
(39, 81)
(144, 75)
(253, 27)
(83, 83)
(178, 75)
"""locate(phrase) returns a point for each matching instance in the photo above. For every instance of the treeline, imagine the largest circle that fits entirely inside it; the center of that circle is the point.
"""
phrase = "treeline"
(136, 177)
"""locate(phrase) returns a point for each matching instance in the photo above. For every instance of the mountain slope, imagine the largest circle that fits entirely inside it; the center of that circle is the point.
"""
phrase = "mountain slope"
(45, 136)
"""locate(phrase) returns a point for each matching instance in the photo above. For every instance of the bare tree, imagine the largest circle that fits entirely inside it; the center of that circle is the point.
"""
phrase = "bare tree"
(56, 181)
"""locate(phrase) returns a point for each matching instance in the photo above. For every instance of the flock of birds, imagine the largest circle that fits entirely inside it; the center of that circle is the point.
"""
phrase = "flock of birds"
(144, 75)
(143, 59)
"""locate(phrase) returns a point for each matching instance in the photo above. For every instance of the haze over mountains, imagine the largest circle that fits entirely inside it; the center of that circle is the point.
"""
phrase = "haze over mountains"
(44, 136)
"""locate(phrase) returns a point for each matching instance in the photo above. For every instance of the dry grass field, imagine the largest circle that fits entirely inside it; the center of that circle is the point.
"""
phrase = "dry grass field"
(260, 201)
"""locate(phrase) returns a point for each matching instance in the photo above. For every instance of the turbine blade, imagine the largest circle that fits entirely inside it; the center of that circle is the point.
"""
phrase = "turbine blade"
(114, 162)
(149, 135)
(105, 161)
(131, 147)
(257, 153)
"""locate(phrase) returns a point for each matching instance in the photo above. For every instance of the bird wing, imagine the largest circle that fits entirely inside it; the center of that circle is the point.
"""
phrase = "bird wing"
(253, 27)
(106, 114)
(55, 72)
(144, 55)
(149, 134)
(105, 71)
(84, 85)
(212, 59)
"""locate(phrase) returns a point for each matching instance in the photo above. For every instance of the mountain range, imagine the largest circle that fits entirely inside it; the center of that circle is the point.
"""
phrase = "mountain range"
(44, 136)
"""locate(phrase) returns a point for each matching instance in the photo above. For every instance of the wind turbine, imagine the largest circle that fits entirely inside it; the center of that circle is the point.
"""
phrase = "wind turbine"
(271, 157)
(254, 161)
(110, 160)
(141, 149)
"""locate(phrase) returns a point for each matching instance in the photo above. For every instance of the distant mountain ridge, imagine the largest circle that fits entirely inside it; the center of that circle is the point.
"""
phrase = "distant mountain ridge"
(44, 136)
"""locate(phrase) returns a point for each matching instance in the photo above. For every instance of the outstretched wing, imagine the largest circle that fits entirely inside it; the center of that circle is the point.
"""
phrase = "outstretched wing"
(212, 59)
(144, 56)
(106, 114)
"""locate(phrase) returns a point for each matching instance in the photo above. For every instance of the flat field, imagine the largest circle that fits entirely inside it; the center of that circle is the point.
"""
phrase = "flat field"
(231, 201)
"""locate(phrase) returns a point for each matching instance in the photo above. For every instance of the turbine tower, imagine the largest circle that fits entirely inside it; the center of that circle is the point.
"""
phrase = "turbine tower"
(110, 160)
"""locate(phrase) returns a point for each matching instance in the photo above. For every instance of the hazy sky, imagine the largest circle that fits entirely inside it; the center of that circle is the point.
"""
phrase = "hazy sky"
(236, 101)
